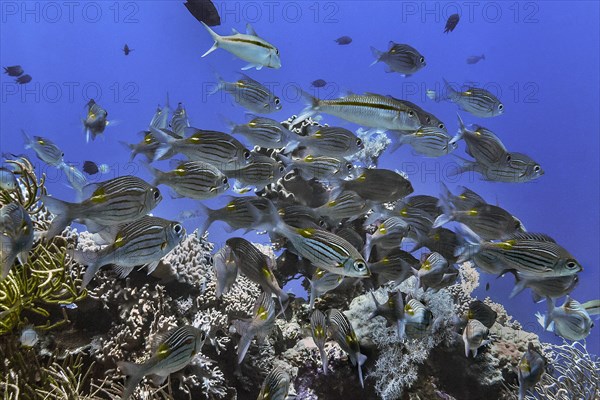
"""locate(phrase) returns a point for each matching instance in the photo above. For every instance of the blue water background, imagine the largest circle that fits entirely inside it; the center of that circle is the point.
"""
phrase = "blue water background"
(542, 60)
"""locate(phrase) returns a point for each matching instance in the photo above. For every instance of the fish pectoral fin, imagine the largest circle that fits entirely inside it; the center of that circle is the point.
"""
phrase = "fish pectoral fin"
(157, 380)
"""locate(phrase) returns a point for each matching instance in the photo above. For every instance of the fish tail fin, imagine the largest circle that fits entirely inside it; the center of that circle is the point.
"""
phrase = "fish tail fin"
(220, 83)
(361, 359)
(91, 260)
(156, 173)
(62, 211)
(27, 139)
(368, 246)
(377, 54)
(135, 374)
(310, 110)
(550, 309)
(449, 91)
(461, 131)
(592, 307)
(470, 246)
(215, 37)
(324, 359)
(244, 345)
(208, 220)
(131, 148)
(519, 286)
(448, 214)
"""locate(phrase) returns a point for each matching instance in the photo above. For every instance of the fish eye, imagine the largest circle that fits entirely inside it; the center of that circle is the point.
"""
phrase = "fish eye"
(156, 194)
(359, 142)
(349, 167)
(537, 168)
(224, 181)
(360, 266)
(441, 126)
(277, 51)
(572, 264)
(246, 154)
(62, 154)
(411, 113)
(177, 228)
(277, 101)
(281, 169)
(508, 158)
(500, 106)
(422, 59)
(428, 119)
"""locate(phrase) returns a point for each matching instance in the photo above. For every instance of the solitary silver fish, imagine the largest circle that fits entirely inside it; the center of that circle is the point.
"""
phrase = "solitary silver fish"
(426, 118)
(76, 178)
(531, 368)
(275, 386)
(249, 47)
(400, 58)
(143, 242)
(369, 109)
(263, 319)
(476, 101)
(250, 94)
(318, 330)
(16, 240)
(113, 202)
(173, 354)
(342, 332)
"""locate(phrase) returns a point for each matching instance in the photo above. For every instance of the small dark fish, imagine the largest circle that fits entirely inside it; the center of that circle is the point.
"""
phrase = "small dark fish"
(23, 79)
(127, 50)
(318, 83)
(15, 70)
(451, 23)
(475, 59)
(344, 40)
(482, 312)
(204, 11)
(487, 286)
(90, 168)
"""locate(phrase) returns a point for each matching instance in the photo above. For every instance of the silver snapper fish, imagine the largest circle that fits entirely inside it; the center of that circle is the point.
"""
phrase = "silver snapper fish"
(475, 336)
(369, 109)
(226, 270)
(110, 203)
(275, 386)
(179, 120)
(250, 94)
(217, 148)
(322, 281)
(532, 255)
(342, 332)
(143, 242)
(479, 102)
(193, 179)
(570, 321)
(426, 118)
(530, 370)
(427, 141)
(400, 58)
(16, 240)
(45, 149)
(174, 353)
(8, 181)
(95, 121)
(263, 319)
(318, 331)
(249, 47)
(257, 267)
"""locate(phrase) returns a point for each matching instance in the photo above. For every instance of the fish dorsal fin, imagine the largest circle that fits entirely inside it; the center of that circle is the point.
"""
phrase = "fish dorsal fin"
(234, 31)
(391, 44)
(247, 78)
(250, 30)
(540, 237)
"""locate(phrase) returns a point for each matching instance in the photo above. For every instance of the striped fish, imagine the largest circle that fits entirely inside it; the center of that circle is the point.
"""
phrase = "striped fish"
(425, 118)
(238, 213)
(395, 266)
(570, 321)
(113, 202)
(400, 58)
(515, 168)
(440, 240)
(530, 254)
(263, 319)
(226, 270)
(217, 148)
(342, 332)
(75, 177)
(299, 216)
(95, 121)
(427, 141)
(466, 200)
(488, 221)
(432, 270)
(249, 47)
(553, 288)
(478, 102)
(429, 204)
(331, 141)
(179, 121)
(257, 267)
(391, 309)
(369, 110)
(173, 354)
(318, 331)
(350, 234)
(530, 370)
(144, 241)
(149, 145)
(259, 172)
(416, 321)
(475, 336)
(160, 120)
(16, 236)
(322, 282)
(388, 235)
(419, 221)
(193, 179)
(482, 144)
(264, 132)
(276, 385)
(320, 167)
(250, 94)
(347, 204)
(45, 149)
(379, 185)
